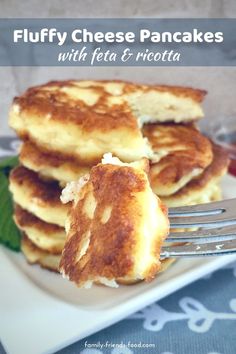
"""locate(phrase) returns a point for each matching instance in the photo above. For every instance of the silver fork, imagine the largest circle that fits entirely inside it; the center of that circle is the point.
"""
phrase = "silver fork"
(217, 233)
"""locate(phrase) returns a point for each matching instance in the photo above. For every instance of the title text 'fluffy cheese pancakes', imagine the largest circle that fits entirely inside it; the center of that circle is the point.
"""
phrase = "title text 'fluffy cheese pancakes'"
(184, 151)
(85, 119)
(116, 226)
(38, 197)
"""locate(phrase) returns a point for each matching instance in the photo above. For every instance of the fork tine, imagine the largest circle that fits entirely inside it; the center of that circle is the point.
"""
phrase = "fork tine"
(205, 249)
(204, 215)
(206, 235)
(218, 220)
(201, 209)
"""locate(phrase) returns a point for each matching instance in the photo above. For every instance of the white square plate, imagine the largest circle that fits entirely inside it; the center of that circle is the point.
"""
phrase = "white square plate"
(40, 312)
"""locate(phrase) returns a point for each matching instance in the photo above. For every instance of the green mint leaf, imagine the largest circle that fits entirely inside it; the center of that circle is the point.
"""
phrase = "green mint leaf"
(7, 164)
(9, 234)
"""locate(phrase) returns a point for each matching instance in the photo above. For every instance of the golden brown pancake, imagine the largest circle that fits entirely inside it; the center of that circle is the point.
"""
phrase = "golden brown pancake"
(38, 197)
(48, 237)
(86, 119)
(36, 255)
(116, 226)
(51, 165)
(204, 188)
(184, 154)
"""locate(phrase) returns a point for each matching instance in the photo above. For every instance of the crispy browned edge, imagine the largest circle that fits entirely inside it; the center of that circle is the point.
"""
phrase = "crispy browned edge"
(25, 240)
(26, 219)
(41, 156)
(216, 169)
(99, 116)
(48, 192)
(181, 162)
(184, 91)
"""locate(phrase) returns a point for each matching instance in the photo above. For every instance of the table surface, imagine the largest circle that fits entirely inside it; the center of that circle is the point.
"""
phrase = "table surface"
(198, 319)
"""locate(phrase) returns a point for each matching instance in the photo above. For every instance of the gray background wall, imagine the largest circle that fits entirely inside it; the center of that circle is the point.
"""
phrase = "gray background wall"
(219, 82)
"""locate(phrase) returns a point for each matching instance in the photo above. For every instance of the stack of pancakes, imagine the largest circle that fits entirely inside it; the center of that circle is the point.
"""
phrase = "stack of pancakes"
(67, 126)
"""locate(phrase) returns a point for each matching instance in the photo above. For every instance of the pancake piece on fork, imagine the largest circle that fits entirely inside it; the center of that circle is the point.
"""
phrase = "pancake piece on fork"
(116, 226)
